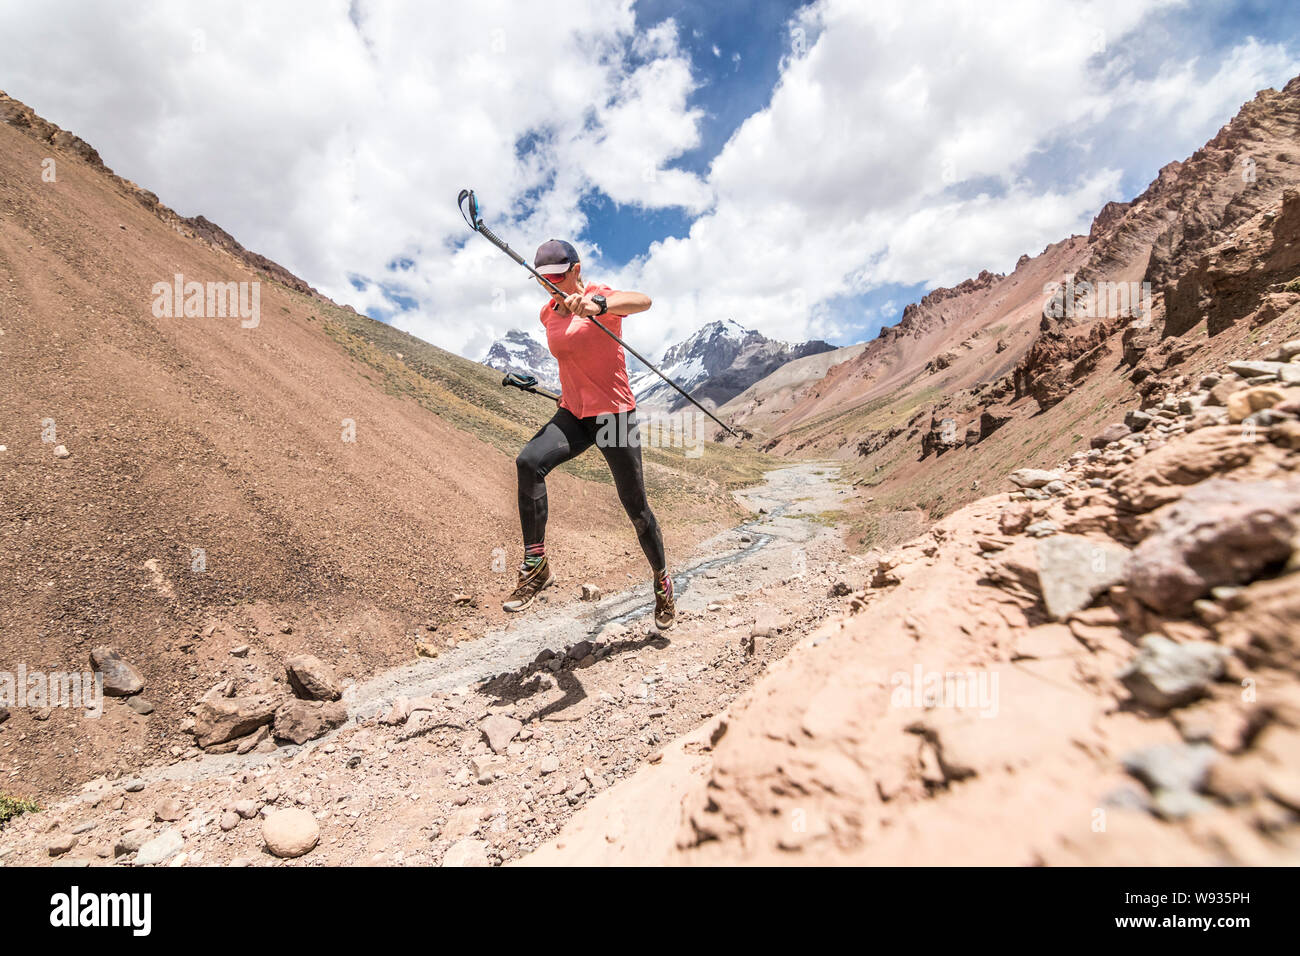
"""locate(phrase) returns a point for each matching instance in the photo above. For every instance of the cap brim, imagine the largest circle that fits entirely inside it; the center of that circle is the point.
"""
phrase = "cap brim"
(554, 268)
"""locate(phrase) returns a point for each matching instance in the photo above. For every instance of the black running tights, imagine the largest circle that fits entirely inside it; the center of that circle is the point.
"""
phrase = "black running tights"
(564, 437)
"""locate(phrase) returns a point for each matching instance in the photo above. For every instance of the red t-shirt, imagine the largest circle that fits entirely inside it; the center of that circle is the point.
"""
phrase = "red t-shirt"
(593, 368)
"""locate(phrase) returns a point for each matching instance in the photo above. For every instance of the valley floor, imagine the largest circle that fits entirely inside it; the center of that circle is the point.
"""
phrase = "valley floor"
(589, 693)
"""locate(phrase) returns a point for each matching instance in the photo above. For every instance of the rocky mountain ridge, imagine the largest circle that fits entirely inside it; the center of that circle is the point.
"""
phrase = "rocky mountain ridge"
(517, 351)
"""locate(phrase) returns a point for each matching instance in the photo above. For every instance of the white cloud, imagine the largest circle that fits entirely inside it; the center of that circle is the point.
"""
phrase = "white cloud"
(335, 150)
(894, 151)
(894, 148)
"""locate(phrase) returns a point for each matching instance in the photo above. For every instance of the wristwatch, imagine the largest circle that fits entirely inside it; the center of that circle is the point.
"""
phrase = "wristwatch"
(600, 301)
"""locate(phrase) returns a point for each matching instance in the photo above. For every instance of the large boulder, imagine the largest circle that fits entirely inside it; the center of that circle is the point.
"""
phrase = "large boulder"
(121, 679)
(218, 718)
(312, 679)
(299, 721)
(1221, 532)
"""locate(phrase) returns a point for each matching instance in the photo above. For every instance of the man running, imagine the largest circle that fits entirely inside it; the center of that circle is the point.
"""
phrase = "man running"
(596, 408)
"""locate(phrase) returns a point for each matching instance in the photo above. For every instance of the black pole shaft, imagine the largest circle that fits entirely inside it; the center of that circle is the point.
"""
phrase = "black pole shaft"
(489, 235)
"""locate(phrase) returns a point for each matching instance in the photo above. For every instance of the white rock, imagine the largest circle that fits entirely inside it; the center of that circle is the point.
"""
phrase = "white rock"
(290, 833)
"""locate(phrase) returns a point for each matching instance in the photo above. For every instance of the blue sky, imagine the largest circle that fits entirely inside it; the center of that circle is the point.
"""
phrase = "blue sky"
(826, 166)
(735, 50)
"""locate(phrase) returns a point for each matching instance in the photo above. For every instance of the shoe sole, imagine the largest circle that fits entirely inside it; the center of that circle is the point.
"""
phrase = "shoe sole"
(515, 609)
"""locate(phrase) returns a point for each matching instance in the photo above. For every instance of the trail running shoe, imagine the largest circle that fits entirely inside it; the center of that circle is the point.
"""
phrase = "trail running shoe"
(665, 609)
(531, 583)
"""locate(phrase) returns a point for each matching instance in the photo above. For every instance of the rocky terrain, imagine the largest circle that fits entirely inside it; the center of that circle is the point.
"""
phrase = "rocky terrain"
(1040, 605)
(1098, 666)
(474, 756)
(717, 363)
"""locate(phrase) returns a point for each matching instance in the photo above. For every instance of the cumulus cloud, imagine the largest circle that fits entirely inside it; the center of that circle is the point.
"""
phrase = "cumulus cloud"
(894, 148)
(905, 142)
(333, 136)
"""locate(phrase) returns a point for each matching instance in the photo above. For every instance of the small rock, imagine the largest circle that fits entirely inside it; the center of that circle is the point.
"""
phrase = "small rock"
(1109, 434)
(1015, 518)
(1033, 477)
(311, 678)
(467, 852)
(169, 810)
(590, 592)
(161, 848)
(61, 844)
(130, 841)
(61, 451)
(498, 730)
(1073, 570)
(1176, 805)
(1165, 674)
(1242, 404)
(140, 705)
(1172, 767)
(1256, 369)
(290, 833)
(1136, 420)
(120, 678)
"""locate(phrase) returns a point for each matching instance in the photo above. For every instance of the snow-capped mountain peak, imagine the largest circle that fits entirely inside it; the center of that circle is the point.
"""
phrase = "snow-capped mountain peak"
(717, 363)
(517, 351)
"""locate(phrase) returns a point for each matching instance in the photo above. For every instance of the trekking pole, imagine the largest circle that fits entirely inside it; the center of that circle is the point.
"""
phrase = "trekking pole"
(476, 223)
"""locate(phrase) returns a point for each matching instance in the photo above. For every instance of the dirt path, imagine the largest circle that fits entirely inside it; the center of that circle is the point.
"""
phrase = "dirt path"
(595, 689)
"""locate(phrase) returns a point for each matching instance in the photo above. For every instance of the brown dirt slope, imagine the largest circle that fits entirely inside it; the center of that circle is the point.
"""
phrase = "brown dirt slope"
(975, 380)
(216, 454)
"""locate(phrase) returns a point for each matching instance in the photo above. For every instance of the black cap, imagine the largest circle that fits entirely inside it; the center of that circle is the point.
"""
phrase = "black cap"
(554, 257)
